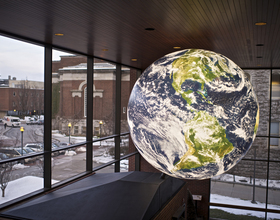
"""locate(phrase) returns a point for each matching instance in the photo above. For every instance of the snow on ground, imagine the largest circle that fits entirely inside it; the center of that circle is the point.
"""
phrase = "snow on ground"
(81, 149)
(228, 200)
(106, 159)
(70, 153)
(19, 166)
(247, 180)
(22, 186)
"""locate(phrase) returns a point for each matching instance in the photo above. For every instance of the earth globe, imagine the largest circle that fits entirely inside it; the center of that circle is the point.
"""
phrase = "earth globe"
(193, 114)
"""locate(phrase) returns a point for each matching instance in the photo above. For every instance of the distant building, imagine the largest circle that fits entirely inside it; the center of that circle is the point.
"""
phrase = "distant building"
(21, 97)
(69, 95)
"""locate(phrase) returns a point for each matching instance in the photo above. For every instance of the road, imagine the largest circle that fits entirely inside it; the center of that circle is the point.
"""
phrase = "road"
(13, 135)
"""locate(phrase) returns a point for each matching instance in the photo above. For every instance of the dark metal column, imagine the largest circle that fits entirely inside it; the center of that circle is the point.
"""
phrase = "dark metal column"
(118, 116)
(89, 113)
(268, 142)
(137, 156)
(47, 116)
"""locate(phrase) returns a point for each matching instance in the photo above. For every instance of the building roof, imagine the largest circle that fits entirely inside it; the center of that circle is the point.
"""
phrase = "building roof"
(120, 31)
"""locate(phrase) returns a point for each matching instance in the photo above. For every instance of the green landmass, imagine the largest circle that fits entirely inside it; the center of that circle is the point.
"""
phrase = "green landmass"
(196, 68)
(206, 140)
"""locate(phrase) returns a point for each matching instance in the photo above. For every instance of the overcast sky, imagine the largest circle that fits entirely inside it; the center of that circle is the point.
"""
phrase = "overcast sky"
(23, 60)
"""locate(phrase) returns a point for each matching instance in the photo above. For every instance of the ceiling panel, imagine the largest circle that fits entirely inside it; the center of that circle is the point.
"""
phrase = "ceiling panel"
(224, 26)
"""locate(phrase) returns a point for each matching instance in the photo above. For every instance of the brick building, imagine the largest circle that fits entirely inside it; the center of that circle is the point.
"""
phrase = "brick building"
(21, 97)
(69, 92)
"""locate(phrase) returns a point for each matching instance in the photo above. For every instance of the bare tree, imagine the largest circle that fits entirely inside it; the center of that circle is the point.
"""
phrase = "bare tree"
(75, 120)
(5, 175)
(23, 97)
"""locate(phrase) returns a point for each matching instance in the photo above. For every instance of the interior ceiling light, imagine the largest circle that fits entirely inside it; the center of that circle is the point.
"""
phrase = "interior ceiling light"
(59, 34)
(176, 48)
(259, 45)
(149, 29)
(260, 23)
(133, 60)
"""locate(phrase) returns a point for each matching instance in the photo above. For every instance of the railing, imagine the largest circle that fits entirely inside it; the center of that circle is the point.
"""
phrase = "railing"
(69, 180)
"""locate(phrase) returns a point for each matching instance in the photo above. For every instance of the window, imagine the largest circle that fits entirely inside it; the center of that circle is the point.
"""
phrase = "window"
(76, 129)
(275, 95)
(85, 102)
(274, 131)
(14, 94)
(84, 129)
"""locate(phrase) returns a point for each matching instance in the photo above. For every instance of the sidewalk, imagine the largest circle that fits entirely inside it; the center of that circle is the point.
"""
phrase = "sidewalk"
(242, 191)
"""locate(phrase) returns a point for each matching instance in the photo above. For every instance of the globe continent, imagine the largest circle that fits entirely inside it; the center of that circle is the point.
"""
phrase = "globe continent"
(193, 114)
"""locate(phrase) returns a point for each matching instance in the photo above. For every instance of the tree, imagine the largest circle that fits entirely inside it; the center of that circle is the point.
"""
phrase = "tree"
(29, 98)
(5, 175)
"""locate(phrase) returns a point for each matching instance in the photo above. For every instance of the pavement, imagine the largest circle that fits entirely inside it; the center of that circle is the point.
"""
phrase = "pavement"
(244, 191)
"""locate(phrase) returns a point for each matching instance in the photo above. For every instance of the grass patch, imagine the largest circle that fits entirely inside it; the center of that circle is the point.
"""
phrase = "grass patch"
(220, 214)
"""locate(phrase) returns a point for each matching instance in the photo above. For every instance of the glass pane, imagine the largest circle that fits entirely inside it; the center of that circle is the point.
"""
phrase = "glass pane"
(275, 112)
(232, 214)
(124, 165)
(275, 85)
(21, 178)
(125, 92)
(258, 149)
(274, 186)
(260, 80)
(68, 163)
(22, 111)
(103, 98)
(103, 152)
(103, 111)
(124, 145)
(275, 151)
(69, 86)
(274, 128)
(239, 187)
(273, 216)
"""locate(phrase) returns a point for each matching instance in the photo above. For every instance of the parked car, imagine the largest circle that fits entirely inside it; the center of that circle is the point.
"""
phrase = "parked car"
(17, 152)
(40, 122)
(37, 147)
(64, 144)
(3, 156)
(30, 120)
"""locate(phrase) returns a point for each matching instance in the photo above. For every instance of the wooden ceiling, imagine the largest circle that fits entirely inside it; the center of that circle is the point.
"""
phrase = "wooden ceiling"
(119, 26)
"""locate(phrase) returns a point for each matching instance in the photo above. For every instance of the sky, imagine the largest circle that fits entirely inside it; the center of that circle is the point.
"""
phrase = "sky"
(23, 60)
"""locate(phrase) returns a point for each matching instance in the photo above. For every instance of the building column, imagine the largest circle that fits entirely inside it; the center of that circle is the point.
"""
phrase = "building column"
(118, 116)
(47, 116)
(89, 119)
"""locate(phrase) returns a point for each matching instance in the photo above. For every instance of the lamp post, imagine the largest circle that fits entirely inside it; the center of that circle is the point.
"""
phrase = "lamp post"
(22, 130)
(254, 180)
(100, 123)
(69, 126)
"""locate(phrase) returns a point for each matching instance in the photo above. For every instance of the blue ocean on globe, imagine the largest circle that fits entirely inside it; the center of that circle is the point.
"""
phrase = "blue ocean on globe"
(193, 114)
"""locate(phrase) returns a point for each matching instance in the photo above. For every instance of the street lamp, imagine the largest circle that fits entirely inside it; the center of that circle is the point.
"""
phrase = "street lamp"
(100, 123)
(69, 126)
(22, 130)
